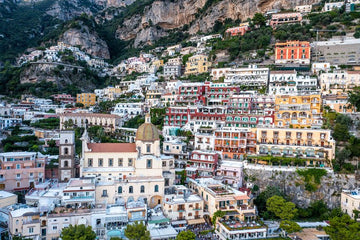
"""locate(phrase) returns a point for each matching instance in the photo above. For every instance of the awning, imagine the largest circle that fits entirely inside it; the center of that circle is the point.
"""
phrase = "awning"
(159, 220)
(241, 197)
(178, 222)
(196, 221)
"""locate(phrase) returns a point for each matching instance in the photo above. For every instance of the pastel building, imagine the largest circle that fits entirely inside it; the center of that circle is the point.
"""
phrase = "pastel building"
(197, 64)
(314, 145)
(238, 31)
(21, 170)
(88, 99)
(292, 52)
(339, 82)
(183, 208)
(298, 110)
(285, 18)
(350, 202)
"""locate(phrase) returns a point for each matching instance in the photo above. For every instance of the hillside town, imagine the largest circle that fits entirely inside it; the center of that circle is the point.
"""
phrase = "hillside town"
(188, 143)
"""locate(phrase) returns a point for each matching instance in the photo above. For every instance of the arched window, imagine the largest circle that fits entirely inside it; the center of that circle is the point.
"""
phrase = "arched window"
(120, 190)
(66, 141)
(142, 189)
(66, 164)
(66, 151)
(131, 190)
(156, 188)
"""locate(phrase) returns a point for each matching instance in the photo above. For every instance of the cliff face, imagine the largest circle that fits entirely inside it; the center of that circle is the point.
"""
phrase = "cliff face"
(88, 40)
(293, 185)
(167, 15)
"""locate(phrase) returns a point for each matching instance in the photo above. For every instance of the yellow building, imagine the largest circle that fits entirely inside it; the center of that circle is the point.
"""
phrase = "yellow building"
(158, 63)
(197, 64)
(88, 99)
(314, 145)
(298, 110)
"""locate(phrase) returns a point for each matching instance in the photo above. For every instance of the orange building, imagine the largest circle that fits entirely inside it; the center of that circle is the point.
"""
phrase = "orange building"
(292, 52)
(238, 31)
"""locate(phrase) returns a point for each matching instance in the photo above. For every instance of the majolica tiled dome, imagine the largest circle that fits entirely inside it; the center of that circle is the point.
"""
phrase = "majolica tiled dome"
(147, 131)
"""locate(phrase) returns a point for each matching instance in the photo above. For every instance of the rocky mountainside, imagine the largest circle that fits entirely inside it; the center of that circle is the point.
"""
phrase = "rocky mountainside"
(200, 15)
(88, 40)
(293, 185)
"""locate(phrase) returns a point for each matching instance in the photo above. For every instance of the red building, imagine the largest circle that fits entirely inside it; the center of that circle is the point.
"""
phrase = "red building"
(219, 93)
(292, 52)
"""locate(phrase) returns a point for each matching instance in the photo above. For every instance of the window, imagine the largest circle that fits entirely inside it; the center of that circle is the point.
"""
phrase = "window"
(17, 166)
(142, 189)
(131, 189)
(148, 147)
(18, 175)
(66, 151)
(120, 162)
(156, 188)
(90, 162)
(104, 194)
(66, 164)
(164, 163)
(31, 230)
(54, 227)
(111, 162)
(149, 163)
(120, 190)
(130, 163)
(100, 162)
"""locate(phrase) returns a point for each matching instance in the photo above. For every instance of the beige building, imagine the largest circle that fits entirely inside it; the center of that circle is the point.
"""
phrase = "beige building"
(314, 145)
(339, 82)
(183, 207)
(350, 201)
(7, 199)
(25, 222)
(127, 172)
(108, 121)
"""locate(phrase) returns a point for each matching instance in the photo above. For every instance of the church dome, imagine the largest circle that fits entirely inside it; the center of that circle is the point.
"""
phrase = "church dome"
(147, 131)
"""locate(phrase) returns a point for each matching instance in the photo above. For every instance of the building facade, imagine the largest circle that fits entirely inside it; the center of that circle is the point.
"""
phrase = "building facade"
(292, 52)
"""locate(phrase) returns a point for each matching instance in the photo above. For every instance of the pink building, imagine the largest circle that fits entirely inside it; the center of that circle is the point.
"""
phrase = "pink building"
(285, 18)
(202, 164)
(238, 31)
(21, 170)
(230, 172)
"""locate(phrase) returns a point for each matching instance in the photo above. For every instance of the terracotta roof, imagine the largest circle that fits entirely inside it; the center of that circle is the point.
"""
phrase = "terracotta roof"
(112, 147)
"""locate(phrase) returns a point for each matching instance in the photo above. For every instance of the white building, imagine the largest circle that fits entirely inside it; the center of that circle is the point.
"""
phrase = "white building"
(128, 110)
(332, 5)
(251, 76)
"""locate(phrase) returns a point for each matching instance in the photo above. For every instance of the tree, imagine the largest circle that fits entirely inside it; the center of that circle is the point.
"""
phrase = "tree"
(259, 19)
(354, 98)
(115, 238)
(343, 228)
(79, 105)
(186, 235)
(137, 231)
(78, 232)
(341, 132)
(217, 214)
(290, 226)
(281, 208)
(260, 201)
